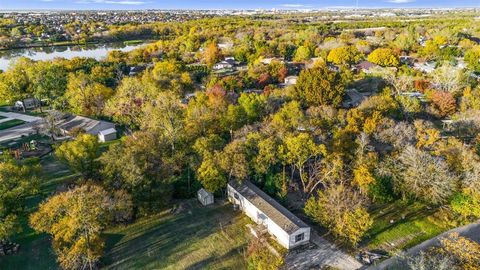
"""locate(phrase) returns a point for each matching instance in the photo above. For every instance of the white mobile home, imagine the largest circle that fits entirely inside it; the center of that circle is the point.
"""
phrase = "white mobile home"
(288, 229)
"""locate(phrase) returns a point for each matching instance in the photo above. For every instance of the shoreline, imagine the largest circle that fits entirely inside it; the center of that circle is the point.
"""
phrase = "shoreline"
(72, 43)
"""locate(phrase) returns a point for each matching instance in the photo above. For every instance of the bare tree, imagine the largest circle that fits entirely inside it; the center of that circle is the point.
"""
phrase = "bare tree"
(418, 174)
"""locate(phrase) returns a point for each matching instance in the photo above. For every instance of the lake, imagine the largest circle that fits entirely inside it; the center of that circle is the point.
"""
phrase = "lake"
(97, 51)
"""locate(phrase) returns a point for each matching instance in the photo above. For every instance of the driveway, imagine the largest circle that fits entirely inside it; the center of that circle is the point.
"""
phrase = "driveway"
(471, 231)
(325, 253)
(19, 116)
(20, 130)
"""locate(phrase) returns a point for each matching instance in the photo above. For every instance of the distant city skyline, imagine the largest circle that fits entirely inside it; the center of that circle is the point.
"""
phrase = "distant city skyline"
(223, 4)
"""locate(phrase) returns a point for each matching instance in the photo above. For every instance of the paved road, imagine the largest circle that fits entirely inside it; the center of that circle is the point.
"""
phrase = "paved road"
(20, 130)
(19, 116)
(325, 254)
(471, 231)
(16, 132)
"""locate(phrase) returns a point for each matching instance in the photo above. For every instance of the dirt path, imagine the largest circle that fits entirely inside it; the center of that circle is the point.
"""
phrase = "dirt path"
(471, 231)
(325, 253)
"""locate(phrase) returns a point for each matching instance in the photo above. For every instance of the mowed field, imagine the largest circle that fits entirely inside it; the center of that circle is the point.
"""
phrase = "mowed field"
(197, 237)
(191, 237)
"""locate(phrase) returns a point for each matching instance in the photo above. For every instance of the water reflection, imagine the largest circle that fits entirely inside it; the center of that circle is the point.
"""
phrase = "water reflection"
(48, 53)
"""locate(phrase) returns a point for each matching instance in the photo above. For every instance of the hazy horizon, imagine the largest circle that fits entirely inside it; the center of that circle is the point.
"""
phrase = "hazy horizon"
(25, 5)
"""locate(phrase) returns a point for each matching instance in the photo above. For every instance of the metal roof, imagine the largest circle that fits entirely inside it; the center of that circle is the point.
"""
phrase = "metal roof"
(270, 207)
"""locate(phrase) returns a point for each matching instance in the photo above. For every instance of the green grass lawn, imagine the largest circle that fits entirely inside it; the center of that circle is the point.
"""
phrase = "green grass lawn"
(10, 123)
(211, 237)
(413, 223)
(36, 249)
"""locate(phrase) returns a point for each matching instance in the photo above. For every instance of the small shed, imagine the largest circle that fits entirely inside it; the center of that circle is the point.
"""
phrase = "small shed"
(205, 197)
(107, 135)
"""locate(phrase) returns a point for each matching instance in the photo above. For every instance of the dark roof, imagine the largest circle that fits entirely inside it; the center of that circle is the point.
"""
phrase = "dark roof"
(91, 126)
(366, 65)
(274, 211)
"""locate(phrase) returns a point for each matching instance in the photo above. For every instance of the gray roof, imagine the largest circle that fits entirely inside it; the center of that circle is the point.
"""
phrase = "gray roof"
(108, 131)
(204, 193)
(91, 126)
(274, 211)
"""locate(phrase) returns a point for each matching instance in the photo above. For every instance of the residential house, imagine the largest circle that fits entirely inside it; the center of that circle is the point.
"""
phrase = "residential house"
(289, 230)
(71, 123)
(365, 66)
(425, 67)
(291, 80)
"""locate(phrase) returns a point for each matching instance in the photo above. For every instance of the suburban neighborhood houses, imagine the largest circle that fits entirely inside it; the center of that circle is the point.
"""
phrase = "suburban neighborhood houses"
(296, 136)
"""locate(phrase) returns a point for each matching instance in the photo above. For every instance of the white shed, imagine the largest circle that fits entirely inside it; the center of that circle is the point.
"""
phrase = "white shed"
(205, 197)
(289, 230)
(107, 135)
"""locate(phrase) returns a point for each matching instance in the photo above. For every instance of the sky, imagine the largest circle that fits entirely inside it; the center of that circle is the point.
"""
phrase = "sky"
(226, 4)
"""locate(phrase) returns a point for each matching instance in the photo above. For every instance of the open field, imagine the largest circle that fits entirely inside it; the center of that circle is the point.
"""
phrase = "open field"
(412, 224)
(211, 237)
(10, 124)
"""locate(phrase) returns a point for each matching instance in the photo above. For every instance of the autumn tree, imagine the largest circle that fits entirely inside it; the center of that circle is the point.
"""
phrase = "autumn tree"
(472, 58)
(342, 211)
(320, 86)
(18, 180)
(298, 151)
(212, 54)
(344, 55)
(126, 105)
(384, 57)
(75, 219)
(165, 116)
(85, 96)
(444, 103)
(80, 154)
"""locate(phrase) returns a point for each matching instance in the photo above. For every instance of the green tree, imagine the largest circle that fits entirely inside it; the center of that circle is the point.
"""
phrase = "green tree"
(18, 180)
(80, 154)
(85, 96)
(302, 53)
(143, 165)
(320, 86)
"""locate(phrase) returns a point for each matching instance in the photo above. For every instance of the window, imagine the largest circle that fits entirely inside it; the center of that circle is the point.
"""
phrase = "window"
(235, 195)
(299, 237)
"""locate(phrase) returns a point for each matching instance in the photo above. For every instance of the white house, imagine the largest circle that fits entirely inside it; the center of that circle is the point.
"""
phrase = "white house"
(28, 104)
(291, 80)
(288, 229)
(228, 63)
(205, 197)
(425, 67)
(107, 135)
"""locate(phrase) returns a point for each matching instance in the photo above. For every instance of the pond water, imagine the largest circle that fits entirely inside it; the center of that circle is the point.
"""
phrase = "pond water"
(97, 51)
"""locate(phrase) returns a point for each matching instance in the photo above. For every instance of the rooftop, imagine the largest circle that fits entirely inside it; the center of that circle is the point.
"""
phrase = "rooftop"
(270, 207)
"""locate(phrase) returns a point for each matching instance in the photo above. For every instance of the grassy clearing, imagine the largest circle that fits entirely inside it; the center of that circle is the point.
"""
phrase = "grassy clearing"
(10, 124)
(36, 249)
(211, 237)
(413, 223)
